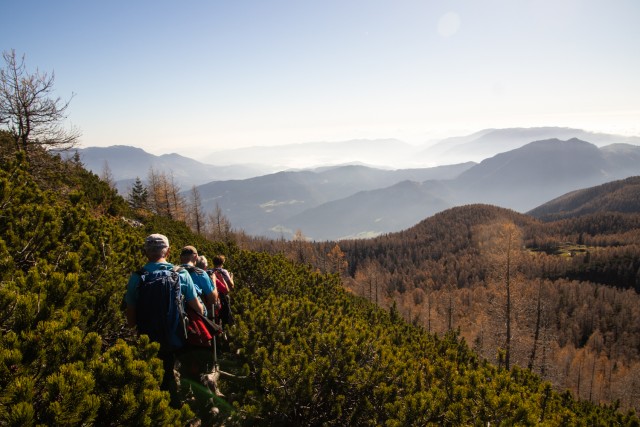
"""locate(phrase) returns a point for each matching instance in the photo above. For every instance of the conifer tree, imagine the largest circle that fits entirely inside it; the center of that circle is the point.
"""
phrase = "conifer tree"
(156, 202)
(302, 250)
(138, 197)
(501, 243)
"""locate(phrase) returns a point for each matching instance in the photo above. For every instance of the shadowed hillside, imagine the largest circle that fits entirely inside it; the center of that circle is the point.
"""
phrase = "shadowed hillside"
(530, 175)
(616, 196)
(373, 212)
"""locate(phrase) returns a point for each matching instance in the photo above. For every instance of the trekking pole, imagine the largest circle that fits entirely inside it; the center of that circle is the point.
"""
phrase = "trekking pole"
(183, 315)
(215, 352)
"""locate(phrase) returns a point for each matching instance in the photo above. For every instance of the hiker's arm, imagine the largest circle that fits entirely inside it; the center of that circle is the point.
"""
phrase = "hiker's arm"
(209, 293)
(195, 304)
(228, 277)
(130, 299)
(209, 300)
(189, 292)
(131, 316)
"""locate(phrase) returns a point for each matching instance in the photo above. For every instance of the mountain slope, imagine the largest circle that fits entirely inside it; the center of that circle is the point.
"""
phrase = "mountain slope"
(622, 159)
(617, 196)
(257, 205)
(458, 268)
(519, 179)
(537, 172)
(370, 213)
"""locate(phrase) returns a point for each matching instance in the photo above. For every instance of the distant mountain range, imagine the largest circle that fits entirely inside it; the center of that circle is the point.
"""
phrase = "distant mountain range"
(354, 200)
(379, 153)
(489, 142)
(271, 204)
(126, 163)
(520, 179)
(395, 154)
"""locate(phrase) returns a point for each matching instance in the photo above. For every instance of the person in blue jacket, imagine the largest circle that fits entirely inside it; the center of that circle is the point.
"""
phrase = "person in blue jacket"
(156, 249)
(206, 290)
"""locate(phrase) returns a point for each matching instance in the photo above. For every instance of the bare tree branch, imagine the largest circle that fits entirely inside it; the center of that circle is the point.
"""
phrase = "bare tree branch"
(29, 109)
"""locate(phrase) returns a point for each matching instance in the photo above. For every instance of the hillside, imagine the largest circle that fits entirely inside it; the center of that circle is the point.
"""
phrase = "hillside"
(306, 352)
(372, 212)
(572, 289)
(528, 176)
(616, 196)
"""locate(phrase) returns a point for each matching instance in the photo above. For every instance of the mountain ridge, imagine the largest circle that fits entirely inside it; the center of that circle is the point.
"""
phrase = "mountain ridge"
(520, 179)
(615, 196)
(275, 205)
(127, 162)
(263, 204)
(489, 142)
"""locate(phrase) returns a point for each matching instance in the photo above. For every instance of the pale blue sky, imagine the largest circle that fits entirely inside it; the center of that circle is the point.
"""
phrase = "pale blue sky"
(183, 76)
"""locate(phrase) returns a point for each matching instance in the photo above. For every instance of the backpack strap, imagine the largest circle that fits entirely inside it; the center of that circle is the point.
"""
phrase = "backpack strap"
(175, 268)
(194, 269)
(142, 272)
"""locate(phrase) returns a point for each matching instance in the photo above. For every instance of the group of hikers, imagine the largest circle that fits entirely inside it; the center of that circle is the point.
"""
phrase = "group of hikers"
(184, 308)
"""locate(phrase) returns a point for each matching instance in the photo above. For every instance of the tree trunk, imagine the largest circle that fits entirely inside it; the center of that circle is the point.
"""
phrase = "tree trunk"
(536, 333)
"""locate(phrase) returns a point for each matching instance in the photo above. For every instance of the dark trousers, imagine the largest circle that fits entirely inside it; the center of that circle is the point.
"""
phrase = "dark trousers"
(168, 379)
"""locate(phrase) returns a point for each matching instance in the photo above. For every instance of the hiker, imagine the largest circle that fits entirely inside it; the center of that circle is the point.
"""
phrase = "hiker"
(156, 248)
(223, 280)
(202, 262)
(218, 264)
(206, 289)
(197, 357)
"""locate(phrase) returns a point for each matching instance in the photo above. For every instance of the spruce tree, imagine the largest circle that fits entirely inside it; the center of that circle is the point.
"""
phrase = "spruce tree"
(139, 195)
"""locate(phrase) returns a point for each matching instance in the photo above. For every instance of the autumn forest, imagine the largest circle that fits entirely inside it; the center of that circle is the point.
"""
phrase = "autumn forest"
(559, 298)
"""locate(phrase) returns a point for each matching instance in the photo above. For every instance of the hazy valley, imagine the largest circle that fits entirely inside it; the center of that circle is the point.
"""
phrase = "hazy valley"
(337, 201)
